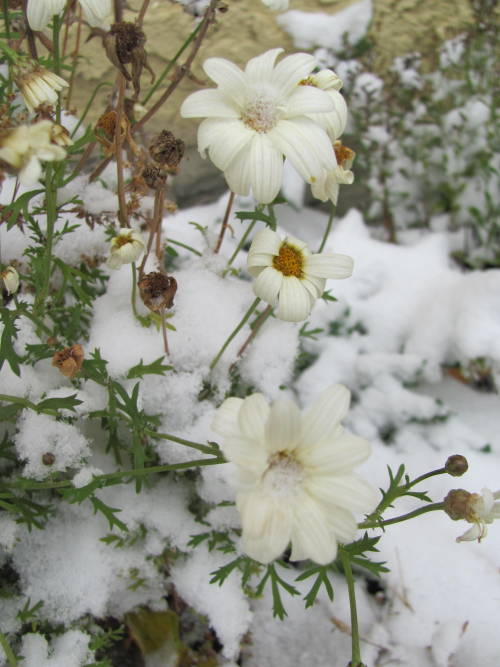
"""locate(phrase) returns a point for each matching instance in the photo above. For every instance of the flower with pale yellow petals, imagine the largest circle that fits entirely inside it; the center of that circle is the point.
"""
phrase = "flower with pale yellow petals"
(257, 116)
(39, 85)
(10, 279)
(294, 474)
(289, 276)
(24, 148)
(126, 247)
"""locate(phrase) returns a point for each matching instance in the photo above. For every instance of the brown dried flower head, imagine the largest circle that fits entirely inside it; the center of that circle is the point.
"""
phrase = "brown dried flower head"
(459, 504)
(124, 45)
(157, 290)
(69, 360)
(154, 177)
(48, 459)
(345, 156)
(167, 150)
(456, 465)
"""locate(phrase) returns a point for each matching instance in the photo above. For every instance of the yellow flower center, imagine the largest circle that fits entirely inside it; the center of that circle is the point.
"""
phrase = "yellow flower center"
(120, 241)
(309, 81)
(289, 261)
(261, 114)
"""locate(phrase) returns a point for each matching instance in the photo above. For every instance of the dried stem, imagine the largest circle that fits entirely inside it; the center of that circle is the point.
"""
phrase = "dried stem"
(30, 35)
(255, 329)
(140, 19)
(224, 222)
(120, 110)
(118, 10)
(164, 331)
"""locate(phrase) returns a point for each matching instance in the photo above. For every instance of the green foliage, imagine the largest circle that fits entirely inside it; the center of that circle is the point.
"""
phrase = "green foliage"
(321, 573)
(358, 550)
(277, 585)
(154, 368)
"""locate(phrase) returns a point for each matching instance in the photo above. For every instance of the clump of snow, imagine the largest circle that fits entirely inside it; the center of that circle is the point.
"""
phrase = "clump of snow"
(328, 30)
(68, 650)
(41, 434)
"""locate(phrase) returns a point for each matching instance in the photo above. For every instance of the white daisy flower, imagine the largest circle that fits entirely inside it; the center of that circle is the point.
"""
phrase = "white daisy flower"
(38, 86)
(289, 276)
(294, 480)
(327, 187)
(257, 116)
(24, 147)
(276, 5)
(126, 247)
(40, 12)
(480, 510)
(10, 279)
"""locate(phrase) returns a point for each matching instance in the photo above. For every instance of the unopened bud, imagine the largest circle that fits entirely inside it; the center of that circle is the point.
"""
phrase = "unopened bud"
(157, 290)
(48, 459)
(69, 361)
(456, 465)
(10, 279)
(167, 150)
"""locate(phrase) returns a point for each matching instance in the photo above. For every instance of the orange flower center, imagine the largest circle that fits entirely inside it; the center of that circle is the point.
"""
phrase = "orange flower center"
(289, 261)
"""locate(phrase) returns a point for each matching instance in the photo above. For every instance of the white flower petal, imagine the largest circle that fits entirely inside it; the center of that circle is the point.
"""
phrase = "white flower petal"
(225, 421)
(40, 12)
(244, 453)
(266, 524)
(265, 241)
(343, 524)
(349, 491)
(315, 286)
(325, 265)
(237, 173)
(337, 456)
(268, 284)
(229, 78)
(294, 301)
(266, 169)
(31, 172)
(320, 421)
(210, 103)
(261, 67)
(475, 532)
(291, 70)
(224, 139)
(96, 12)
(306, 99)
(310, 534)
(253, 416)
(283, 426)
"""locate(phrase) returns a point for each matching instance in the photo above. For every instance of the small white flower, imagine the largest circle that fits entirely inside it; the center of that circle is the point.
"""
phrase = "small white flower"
(40, 12)
(39, 86)
(24, 147)
(10, 278)
(257, 116)
(481, 510)
(294, 478)
(334, 121)
(288, 275)
(327, 187)
(126, 247)
(276, 5)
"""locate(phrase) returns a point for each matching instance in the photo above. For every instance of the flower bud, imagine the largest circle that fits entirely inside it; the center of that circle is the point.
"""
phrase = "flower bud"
(10, 278)
(69, 360)
(126, 247)
(459, 504)
(456, 465)
(48, 459)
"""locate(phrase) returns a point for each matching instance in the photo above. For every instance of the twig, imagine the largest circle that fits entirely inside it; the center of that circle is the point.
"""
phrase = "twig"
(140, 19)
(224, 222)
(122, 211)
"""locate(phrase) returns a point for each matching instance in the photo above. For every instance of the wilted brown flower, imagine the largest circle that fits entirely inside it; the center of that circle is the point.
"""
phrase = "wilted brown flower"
(157, 290)
(154, 177)
(69, 360)
(167, 150)
(124, 45)
(106, 126)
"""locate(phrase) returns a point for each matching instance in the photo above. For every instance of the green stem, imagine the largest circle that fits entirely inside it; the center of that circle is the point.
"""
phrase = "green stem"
(167, 69)
(404, 517)
(51, 205)
(5, 6)
(417, 480)
(118, 475)
(247, 315)
(11, 658)
(89, 105)
(206, 449)
(328, 228)
(241, 243)
(355, 649)
(184, 245)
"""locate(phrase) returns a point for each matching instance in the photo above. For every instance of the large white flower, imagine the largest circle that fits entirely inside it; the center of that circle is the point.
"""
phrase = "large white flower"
(294, 474)
(126, 247)
(40, 12)
(481, 509)
(256, 116)
(24, 147)
(289, 276)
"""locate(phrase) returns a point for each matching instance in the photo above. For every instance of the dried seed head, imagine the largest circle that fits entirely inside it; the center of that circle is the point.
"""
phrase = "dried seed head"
(154, 177)
(456, 465)
(48, 459)
(107, 124)
(124, 45)
(457, 504)
(157, 290)
(167, 150)
(69, 360)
